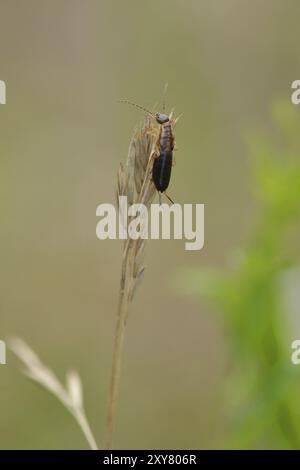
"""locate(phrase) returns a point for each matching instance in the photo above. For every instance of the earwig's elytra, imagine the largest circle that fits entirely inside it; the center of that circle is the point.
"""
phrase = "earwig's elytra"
(164, 147)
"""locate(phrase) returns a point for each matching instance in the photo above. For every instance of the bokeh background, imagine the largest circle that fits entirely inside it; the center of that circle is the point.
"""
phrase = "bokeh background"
(207, 351)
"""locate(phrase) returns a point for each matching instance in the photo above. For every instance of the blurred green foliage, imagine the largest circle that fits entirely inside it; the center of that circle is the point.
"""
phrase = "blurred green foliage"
(263, 390)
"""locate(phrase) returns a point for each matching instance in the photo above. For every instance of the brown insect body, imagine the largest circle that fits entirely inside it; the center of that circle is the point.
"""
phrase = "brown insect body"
(163, 158)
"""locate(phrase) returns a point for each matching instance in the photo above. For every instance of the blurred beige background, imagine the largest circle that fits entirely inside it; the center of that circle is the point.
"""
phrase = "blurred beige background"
(66, 63)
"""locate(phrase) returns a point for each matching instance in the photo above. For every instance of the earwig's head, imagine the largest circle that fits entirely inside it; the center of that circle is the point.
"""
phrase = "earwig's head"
(161, 118)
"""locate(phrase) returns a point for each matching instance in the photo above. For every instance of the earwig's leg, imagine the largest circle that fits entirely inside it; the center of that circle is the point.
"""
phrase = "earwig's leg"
(169, 198)
(155, 153)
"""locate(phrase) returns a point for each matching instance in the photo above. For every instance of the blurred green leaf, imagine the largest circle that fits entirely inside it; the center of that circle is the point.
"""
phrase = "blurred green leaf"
(264, 408)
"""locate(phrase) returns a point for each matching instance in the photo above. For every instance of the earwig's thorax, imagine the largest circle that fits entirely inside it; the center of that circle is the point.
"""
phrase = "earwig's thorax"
(161, 118)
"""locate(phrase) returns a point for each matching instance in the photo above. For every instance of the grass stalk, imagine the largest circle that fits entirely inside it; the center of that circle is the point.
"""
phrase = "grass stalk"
(134, 181)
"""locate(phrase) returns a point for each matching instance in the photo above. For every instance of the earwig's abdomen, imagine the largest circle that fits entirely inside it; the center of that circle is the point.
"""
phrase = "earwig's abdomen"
(161, 172)
(162, 165)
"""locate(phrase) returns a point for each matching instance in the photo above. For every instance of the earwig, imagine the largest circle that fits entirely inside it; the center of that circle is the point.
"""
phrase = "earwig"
(163, 159)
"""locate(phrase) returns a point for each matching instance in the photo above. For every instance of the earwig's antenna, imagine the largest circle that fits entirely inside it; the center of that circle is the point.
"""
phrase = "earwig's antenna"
(137, 106)
(164, 96)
